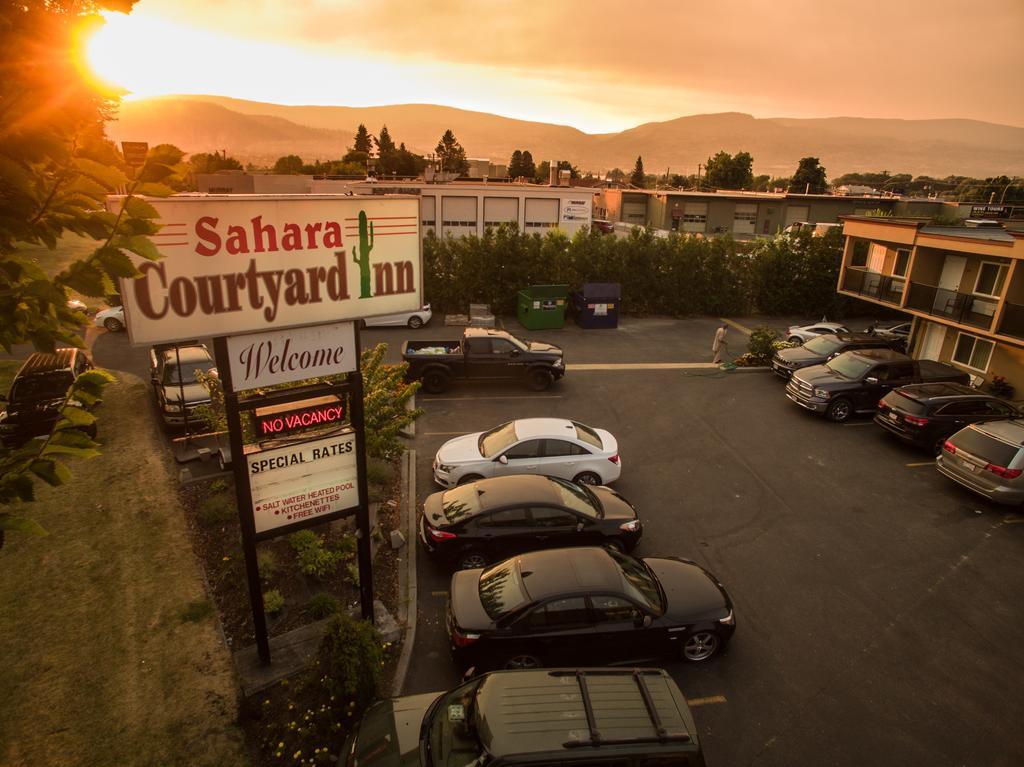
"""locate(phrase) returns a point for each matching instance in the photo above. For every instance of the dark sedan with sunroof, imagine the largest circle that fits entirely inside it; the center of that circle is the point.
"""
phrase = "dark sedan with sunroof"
(488, 520)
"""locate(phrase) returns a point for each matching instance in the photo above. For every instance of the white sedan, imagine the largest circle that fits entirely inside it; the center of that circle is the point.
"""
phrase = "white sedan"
(553, 446)
(798, 334)
(112, 319)
(412, 320)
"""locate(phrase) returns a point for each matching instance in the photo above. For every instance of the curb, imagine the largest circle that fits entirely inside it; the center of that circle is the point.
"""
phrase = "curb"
(407, 575)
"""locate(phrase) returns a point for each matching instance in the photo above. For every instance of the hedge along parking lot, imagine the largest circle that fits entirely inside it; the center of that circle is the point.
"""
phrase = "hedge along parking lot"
(874, 605)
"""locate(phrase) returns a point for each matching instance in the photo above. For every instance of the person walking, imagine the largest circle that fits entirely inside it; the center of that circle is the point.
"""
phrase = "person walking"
(720, 343)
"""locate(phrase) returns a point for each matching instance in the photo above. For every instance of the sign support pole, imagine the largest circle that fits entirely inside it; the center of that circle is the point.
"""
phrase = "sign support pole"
(243, 497)
(363, 548)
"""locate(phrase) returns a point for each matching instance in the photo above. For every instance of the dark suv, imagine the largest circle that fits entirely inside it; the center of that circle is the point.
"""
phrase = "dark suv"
(926, 415)
(636, 717)
(37, 394)
(821, 349)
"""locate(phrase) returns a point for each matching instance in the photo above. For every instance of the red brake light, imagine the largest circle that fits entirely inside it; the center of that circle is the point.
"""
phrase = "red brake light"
(949, 447)
(1002, 471)
(882, 405)
(439, 535)
(463, 640)
(614, 459)
(916, 420)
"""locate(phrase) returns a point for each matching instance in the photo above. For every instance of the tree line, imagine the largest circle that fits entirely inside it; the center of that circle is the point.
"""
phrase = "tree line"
(727, 171)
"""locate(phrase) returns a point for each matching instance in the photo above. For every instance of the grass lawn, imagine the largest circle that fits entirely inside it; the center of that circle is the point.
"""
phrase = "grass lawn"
(109, 648)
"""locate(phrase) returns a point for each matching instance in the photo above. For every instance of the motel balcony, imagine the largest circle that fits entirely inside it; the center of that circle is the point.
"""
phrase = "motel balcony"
(874, 285)
(1012, 322)
(961, 308)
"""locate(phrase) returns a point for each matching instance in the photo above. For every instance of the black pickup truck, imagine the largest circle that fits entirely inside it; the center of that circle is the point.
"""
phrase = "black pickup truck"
(483, 354)
(854, 382)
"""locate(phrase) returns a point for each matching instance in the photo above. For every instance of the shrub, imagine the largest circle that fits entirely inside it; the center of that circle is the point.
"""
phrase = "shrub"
(267, 564)
(351, 657)
(314, 559)
(273, 601)
(218, 485)
(322, 604)
(217, 510)
(761, 344)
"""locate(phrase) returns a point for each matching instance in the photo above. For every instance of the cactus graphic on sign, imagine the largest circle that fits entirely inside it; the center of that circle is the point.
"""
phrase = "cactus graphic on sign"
(361, 255)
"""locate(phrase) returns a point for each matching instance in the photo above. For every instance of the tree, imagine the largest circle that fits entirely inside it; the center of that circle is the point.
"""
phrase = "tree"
(809, 176)
(637, 178)
(213, 162)
(727, 172)
(515, 165)
(384, 143)
(363, 140)
(290, 165)
(451, 154)
(542, 172)
(56, 170)
(529, 169)
(616, 174)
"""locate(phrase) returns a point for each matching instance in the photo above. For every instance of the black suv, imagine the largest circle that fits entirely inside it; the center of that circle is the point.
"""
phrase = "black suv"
(37, 395)
(490, 519)
(821, 349)
(601, 716)
(926, 415)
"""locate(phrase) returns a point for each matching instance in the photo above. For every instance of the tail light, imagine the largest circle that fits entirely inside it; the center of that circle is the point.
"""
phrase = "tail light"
(614, 459)
(882, 405)
(915, 420)
(949, 447)
(463, 639)
(630, 527)
(440, 535)
(1002, 471)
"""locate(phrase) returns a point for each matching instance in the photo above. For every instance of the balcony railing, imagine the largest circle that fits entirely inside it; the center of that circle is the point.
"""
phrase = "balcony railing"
(882, 287)
(963, 308)
(1012, 322)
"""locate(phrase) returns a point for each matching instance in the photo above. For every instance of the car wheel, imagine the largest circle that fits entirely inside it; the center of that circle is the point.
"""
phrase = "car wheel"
(415, 322)
(937, 446)
(113, 324)
(840, 410)
(539, 380)
(469, 478)
(587, 478)
(700, 646)
(795, 340)
(435, 382)
(471, 560)
(523, 660)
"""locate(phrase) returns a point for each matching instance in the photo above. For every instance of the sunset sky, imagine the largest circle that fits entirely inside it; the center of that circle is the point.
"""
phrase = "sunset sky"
(600, 65)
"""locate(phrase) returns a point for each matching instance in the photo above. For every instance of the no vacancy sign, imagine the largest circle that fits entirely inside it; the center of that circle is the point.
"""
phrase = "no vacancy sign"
(305, 480)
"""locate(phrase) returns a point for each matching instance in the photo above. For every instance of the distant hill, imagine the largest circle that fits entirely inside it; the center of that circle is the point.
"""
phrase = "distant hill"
(260, 133)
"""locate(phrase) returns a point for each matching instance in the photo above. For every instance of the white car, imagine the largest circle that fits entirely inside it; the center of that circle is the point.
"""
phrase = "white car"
(412, 320)
(112, 319)
(798, 334)
(553, 446)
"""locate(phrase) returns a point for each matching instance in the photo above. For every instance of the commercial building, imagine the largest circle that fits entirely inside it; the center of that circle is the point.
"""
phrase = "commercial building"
(964, 286)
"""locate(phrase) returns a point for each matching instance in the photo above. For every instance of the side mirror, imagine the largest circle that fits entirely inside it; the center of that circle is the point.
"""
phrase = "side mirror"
(579, 527)
(515, 353)
(470, 673)
(503, 459)
(642, 620)
(871, 380)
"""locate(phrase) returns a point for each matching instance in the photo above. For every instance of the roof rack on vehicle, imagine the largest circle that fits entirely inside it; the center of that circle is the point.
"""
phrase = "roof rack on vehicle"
(662, 735)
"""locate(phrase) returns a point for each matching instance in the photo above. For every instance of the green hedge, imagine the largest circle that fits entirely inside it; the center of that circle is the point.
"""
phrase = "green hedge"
(675, 275)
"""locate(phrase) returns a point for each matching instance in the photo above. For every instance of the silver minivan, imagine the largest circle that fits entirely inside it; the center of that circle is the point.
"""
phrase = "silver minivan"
(987, 458)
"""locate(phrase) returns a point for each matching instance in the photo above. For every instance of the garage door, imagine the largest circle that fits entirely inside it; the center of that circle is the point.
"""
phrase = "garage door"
(458, 216)
(745, 218)
(796, 213)
(634, 213)
(501, 210)
(541, 214)
(695, 217)
(428, 214)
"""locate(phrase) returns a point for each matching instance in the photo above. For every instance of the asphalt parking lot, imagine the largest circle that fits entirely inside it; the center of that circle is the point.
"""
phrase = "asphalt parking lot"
(878, 619)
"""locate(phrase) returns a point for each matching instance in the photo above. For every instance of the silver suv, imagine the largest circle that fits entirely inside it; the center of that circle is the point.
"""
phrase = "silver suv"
(987, 458)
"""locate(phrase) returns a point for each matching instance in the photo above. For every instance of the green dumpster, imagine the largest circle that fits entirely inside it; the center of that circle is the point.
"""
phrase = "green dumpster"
(541, 307)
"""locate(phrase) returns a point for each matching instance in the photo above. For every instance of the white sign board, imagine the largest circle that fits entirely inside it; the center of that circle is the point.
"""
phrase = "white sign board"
(249, 263)
(308, 479)
(284, 356)
(576, 210)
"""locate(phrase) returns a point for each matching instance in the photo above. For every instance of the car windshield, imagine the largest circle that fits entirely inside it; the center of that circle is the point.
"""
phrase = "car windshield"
(497, 439)
(640, 582)
(188, 373)
(576, 497)
(823, 345)
(848, 366)
(50, 386)
(501, 589)
(454, 738)
(460, 503)
(588, 435)
(520, 343)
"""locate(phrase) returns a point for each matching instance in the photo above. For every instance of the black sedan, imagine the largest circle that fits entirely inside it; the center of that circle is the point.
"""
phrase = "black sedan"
(490, 519)
(586, 606)
(927, 415)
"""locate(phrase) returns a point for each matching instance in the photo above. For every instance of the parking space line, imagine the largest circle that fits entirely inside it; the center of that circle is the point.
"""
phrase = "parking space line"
(1012, 519)
(860, 423)
(921, 463)
(742, 328)
(509, 396)
(644, 366)
(706, 701)
(438, 593)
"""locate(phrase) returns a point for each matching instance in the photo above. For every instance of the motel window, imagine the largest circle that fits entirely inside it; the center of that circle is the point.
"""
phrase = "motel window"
(973, 352)
(899, 269)
(860, 253)
(991, 278)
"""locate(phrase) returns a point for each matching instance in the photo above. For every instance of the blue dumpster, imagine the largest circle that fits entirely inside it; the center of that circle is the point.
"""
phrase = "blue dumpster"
(598, 304)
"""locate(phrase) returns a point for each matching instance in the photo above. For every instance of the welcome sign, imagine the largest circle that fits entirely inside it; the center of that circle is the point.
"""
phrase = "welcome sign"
(259, 360)
(245, 263)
